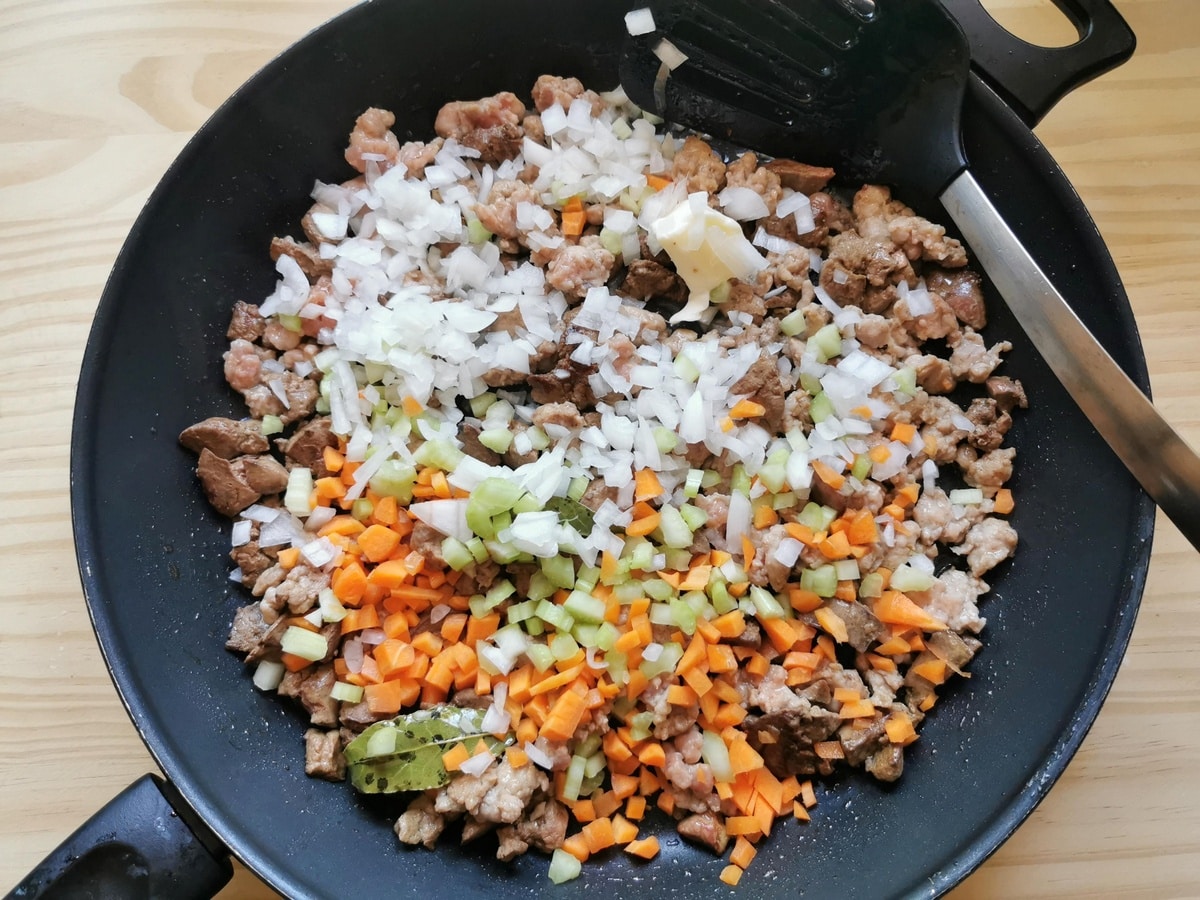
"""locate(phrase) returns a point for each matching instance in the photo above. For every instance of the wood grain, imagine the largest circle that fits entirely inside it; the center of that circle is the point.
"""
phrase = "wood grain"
(97, 97)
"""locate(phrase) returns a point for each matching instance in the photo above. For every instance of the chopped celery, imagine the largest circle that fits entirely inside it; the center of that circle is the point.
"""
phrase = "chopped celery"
(607, 635)
(520, 612)
(595, 765)
(821, 407)
(480, 404)
(722, 601)
(303, 643)
(563, 867)
(271, 425)
(810, 383)
(456, 554)
(827, 342)
(291, 323)
(559, 571)
(711, 479)
(628, 591)
(773, 476)
(714, 751)
(611, 241)
(299, 489)
(540, 655)
(691, 487)
(478, 549)
(693, 516)
(657, 589)
(527, 503)
(665, 440)
(640, 725)
(587, 578)
(862, 467)
(642, 554)
(362, 508)
(765, 604)
(871, 585)
(589, 746)
(540, 586)
(538, 439)
(675, 531)
(578, 487)
(563, 646)
(584, 607)
(822, 580)
(817, 517)
(501, 552)
(683, 616)
(660, 614)
(553, 614)
(685, 368)
(440, 454)
(906, 578)
(574, 780)
(498, 440)
(906, 380)
(584, 634)
(847, 569)
(785, 500)
(793, 323)
(395, 479)
(477, 233)
(348, 693)
(671, 654)
(740, 481)
(500, 591)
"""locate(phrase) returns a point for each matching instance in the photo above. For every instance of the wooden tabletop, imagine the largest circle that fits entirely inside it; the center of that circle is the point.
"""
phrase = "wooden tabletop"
(98, 96)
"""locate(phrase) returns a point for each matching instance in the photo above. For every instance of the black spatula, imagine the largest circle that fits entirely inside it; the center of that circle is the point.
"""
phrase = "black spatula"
(874, 88)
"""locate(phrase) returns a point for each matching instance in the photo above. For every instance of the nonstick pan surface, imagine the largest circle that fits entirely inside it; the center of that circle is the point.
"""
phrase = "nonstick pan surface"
(1059, 615)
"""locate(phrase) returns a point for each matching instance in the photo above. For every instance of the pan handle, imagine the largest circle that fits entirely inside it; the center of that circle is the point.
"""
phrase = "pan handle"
(137, 845)
(1031, 79)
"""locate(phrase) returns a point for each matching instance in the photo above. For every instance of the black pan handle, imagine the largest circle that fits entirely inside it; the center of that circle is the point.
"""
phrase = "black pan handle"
(138, 845)
(1031, 79)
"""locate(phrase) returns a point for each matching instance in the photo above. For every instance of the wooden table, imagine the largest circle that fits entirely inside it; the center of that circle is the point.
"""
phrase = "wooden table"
(96, 99)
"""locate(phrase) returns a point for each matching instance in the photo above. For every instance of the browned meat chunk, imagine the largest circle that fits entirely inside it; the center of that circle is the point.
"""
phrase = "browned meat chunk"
(245, 323)
(763, 385)
(988, 544)
(428, 542)
(1007, 392)
(307, 446)
(577, 267)
(785, 739)
(549, 90)
(699, 167)
(323, 755)
(564, 415)
(886, 763)
(859, 741)
(252, 560)
(861, 625)
(962, 291)
(261, 473)
(306, 256)
(357, 716)
(416, 155)
(706, 829)
(972, 359)
(800, 176)
(936, 324)
(499, 795)
(990, 424)
(743, 299)
(248, 629)
(567, 383)
(371, 138)
(226, 438)
(312, 690)
(301, 394)
(865, 272)
(469, 435)
(225, 482)
(491, 125)
(952, 647)
(646, 279)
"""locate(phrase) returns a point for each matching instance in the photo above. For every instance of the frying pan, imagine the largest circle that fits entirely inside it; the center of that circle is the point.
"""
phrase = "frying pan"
(152, 555)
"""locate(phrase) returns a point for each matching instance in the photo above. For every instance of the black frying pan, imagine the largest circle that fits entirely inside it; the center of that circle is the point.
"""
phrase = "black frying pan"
(153, 555)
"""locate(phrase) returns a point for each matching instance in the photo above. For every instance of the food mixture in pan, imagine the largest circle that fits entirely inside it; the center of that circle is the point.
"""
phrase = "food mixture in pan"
(587, 470)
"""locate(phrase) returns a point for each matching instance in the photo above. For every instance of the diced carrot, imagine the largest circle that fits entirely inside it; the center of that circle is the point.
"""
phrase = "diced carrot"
(647, 485)
(741, 825)
(863, 529)
(800, 532)
(658, 182)
(480, 628)
(836, 546)
(623, 830)
(857, 709)
(743, 853)
(452, 626)
(349, 582)
(635, 807)
(643, 526)
(731, 875)
(747, 409)
(428, 642)
(765, 516)
(699, 682)
(389, 697)
(893, 647)
(389, 574)
(721, 658)
(666, 802)
(833, 624)
(743, 757)
(829, 750)
(394, 656)
(903, 432)
(729, 714)
(826, 473)
(907, 495)
(757, 664)
(730, 624)
(378, 542)
(681, 695)
(584, 811)
(933, 670)
(899, 728)
(894, 608)
(651, 753)
(780, 632)
(386, 511)
(453, 758)
(643, 848)
(289, 556)
(1003, 501)
(564, 717)
(880, 453)
(800, 812)
(598, 835)
(576, 845)
(360, 619)
(803, 601)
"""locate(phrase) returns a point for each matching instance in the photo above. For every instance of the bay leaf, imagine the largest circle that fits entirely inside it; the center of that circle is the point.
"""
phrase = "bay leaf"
(573, 513)
(405, 753)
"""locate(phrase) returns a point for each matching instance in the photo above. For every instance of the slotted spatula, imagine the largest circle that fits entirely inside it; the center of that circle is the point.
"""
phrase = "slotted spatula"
(874, 88)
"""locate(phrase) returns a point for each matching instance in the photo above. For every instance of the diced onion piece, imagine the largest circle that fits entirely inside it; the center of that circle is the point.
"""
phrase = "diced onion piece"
(671, 56)
(268, 674)
(639, 21)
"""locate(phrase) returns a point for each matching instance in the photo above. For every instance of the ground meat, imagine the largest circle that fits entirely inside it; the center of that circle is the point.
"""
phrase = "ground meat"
(549, 90)
(961, 290)
(646, 279)
(707, 829)
(865, 273)
(252, 560)
(243, 365)
(416, 155)
(939, 323)
(785, 739)
(306, 256)
(499, 795)
(245, 324)
(992, 469)
(763, 385)
(990, 424)
(697, 164)
(372, 137)
(799, 176)
(491, 125)
(973, 360)
(420, 823)
(298, 590)
(248, 630)
(944, 424)
(568, 383)
(226, 438)
(745, 172)
(766, 570)
(545, 827)
(499, 214)
(921, 239)
(312, 690)
(987, 545)
(577, 267)
(952, 599)
(560, 415)
(935, 514)
(886, 763)
(306, 447)
(468, 433)
(669, 720)
(323, 755)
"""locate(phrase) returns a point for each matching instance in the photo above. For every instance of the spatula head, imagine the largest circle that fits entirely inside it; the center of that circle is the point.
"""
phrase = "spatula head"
(872, 88)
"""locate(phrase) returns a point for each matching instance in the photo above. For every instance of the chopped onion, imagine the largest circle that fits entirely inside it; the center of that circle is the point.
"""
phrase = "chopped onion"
(639, 21)
(478, 763)
(671, 56)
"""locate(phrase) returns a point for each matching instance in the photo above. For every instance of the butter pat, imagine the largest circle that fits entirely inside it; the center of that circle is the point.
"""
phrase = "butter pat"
(707, 248)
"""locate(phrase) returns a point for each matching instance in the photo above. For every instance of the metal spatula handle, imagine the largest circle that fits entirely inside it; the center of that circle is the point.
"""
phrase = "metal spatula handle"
(1165, 466)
